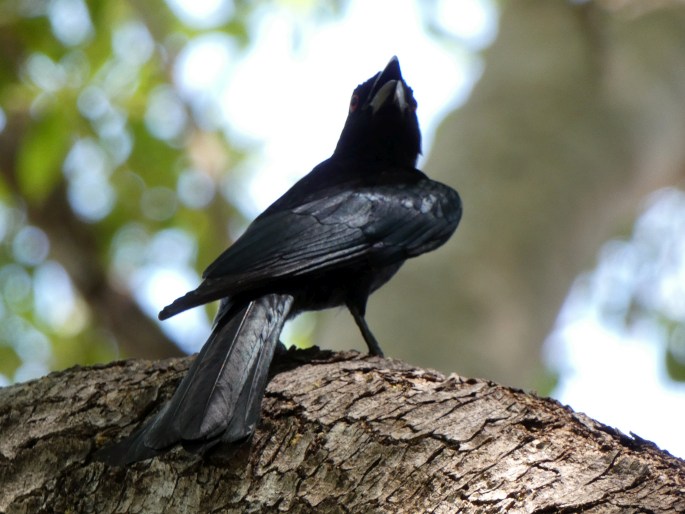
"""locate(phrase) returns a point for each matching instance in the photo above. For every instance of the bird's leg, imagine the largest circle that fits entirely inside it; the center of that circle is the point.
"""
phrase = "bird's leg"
(280, 350)
(358, 315)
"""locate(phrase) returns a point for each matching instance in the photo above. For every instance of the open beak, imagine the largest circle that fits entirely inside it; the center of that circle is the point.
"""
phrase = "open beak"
(389, 88)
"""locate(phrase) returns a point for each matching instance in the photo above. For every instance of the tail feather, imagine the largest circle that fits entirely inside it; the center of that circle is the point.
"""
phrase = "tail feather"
(211, 289)
(219, 399)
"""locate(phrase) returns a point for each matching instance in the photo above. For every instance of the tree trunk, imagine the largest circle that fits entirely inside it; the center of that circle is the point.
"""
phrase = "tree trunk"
(340, 433)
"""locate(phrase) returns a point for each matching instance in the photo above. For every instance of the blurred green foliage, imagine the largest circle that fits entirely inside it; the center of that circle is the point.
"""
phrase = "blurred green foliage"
(101, 157)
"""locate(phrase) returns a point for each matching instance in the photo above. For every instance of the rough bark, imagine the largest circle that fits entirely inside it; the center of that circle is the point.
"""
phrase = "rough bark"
(340, 433)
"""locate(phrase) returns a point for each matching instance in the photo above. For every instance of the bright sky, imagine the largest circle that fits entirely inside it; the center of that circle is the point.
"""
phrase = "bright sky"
(270, 80)
(292, 103)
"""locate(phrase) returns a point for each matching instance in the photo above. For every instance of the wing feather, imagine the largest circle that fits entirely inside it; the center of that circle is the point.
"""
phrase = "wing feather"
(381, 224)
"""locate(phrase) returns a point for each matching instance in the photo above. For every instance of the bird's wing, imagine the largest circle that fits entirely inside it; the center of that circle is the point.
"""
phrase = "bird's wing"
(379, 225)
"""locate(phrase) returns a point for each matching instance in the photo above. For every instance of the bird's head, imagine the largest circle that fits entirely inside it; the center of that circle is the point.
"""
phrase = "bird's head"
(382, 124)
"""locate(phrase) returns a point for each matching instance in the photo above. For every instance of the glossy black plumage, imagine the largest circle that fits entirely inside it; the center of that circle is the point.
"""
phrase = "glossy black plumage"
(335, 237)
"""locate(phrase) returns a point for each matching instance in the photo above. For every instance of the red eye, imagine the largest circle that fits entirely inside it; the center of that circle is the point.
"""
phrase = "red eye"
(354, 102)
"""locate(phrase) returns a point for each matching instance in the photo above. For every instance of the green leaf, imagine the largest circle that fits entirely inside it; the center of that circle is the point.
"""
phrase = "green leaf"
(42, 152)
(545, 381)
(9, 361)
(675, 365)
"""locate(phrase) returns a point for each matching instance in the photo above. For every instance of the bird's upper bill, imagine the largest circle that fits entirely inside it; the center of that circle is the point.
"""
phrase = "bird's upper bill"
(389, 88)
(381, 123)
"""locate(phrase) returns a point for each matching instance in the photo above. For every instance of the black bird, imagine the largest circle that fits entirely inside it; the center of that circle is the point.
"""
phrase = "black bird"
(334, 238)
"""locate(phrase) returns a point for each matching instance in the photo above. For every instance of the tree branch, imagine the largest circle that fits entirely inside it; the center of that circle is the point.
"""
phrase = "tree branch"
(340, 433)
